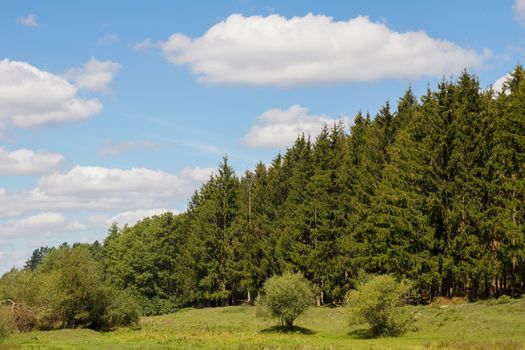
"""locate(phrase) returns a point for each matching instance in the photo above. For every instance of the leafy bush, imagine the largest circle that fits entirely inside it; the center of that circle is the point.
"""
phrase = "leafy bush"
(67, 290)
(377, 302)
(286, 297)
(72, 290)
(122, 311)
(156, 305)
(504, 299)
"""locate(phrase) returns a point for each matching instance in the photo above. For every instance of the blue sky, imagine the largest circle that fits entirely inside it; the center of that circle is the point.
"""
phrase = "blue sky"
(110, 111)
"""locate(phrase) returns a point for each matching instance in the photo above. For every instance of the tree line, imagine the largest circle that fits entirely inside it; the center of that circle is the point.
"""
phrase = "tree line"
(431, 191)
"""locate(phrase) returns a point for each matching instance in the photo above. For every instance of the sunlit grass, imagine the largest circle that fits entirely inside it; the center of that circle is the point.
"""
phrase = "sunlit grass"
(477, 326)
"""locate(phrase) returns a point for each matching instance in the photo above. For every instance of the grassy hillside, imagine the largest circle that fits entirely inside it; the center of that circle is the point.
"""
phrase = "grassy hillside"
(465, 326)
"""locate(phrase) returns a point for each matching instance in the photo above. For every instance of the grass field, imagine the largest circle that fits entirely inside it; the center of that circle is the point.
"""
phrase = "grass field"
(465, 326)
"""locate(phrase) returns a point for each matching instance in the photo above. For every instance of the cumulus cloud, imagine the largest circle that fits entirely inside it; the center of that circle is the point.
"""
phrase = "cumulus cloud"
(29, 20)
(498, 84)
(38, 225)
(519, 11)
(277, 128)
(125, 146)
(31, 97)
(99, 181)
(94, 75)
(24, 161)
(313, 49)
(104, 189)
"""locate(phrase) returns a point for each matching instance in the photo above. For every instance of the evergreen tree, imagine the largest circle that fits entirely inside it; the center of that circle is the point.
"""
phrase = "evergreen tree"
(402, 236)
(508, 162)
(36, 258)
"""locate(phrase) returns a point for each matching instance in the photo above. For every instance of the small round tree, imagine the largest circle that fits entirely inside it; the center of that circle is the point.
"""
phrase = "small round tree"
(286, 297)
(378, 303)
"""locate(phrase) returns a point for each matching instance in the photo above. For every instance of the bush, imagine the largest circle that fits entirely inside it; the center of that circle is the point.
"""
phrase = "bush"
(122, 311)
(377, 302)
(157, 306)
(67, 290)
(504, 299)
(72, 292)
(286, 297)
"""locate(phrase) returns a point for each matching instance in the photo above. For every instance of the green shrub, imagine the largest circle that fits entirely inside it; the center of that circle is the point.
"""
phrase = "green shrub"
(504, 299)
(286, 297)
(67, 290)
(122, 311)
(377, 302)
(72, 290)
(157, 306)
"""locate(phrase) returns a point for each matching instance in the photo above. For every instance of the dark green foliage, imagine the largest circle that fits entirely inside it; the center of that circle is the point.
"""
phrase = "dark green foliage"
(146, 260)
(286, 297)
(37, 257)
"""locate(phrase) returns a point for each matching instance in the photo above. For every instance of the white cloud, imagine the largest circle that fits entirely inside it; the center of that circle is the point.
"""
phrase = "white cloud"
(498, 84)
(108, 39)
(132, 217)
(42, 221)
(29, 21)
(312, 49)
(104, 189)
(125, 146)
(36, 225)
(519, 11)
(98, 181)
(24, 161)
(30, 97)
(94, 75)
(147, 44)
(277, 128)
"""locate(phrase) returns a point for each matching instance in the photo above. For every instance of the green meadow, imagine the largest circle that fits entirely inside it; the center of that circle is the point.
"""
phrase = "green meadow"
(481, 325)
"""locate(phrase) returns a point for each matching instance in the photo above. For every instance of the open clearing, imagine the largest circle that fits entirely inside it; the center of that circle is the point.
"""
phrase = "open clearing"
(479, 325)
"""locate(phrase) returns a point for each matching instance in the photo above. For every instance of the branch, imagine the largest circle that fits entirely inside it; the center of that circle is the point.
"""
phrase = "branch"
(9, 301)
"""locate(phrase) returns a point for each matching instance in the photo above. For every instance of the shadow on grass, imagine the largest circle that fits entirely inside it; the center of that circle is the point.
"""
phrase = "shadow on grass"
(360, 334)
(288, 330)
